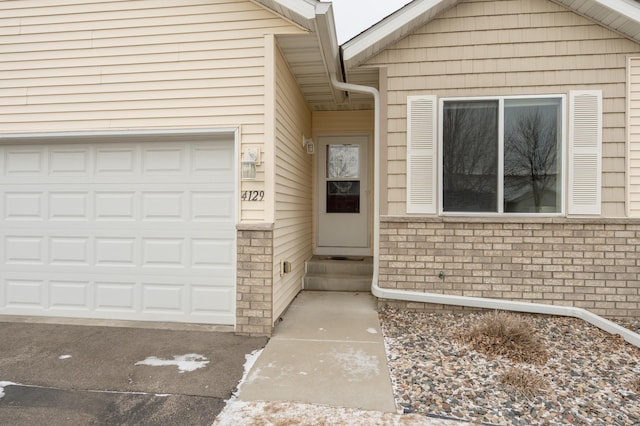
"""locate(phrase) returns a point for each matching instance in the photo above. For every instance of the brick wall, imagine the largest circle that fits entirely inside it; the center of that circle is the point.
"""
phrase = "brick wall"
(254, 294)
(588, 263)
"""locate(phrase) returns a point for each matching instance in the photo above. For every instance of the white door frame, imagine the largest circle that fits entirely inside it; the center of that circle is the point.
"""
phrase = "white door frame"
(359, 222)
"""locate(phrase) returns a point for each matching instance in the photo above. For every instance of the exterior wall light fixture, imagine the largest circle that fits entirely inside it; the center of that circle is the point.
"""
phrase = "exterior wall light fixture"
(250, 159)
(307, 143)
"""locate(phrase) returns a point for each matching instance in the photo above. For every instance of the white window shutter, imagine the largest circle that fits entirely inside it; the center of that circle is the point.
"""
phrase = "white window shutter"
(421, 154)
(585, 152)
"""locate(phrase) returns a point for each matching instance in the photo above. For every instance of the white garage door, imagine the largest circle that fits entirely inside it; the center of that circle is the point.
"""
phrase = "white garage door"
(134, 231)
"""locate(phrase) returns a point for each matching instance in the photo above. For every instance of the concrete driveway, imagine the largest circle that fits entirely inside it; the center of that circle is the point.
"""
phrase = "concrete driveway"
(87, 375)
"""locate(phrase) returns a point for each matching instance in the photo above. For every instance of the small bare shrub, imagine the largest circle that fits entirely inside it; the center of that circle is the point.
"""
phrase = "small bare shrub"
(523, 382)
(635, 385)
(509, 335)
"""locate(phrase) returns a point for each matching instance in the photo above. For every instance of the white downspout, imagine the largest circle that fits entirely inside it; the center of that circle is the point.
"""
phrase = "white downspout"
(476, 302)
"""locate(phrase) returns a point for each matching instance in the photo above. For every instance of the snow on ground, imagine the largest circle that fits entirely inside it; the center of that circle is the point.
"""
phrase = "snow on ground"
(250, 360)
(266, 413)
(64, 357)
(249, 413)
(2, 386)
(188, 362)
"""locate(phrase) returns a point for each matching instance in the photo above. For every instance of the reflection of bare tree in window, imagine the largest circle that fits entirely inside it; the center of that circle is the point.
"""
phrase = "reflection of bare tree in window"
(343, 161)
(531, 154)
(470, 155)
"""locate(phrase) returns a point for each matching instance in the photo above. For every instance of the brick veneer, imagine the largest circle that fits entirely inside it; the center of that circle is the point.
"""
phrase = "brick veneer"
(254, 293)
(588, 263)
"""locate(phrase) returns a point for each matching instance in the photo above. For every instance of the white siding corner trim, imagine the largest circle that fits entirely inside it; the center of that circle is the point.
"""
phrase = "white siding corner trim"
(633, 138)
(421, 154)
(585, 152)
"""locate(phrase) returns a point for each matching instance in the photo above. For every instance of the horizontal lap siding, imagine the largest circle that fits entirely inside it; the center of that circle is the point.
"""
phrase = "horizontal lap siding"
(99, 65)
(293, 224)
(505, 48)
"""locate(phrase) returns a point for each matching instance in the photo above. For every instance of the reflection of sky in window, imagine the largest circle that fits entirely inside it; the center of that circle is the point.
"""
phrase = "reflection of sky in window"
(343, 161)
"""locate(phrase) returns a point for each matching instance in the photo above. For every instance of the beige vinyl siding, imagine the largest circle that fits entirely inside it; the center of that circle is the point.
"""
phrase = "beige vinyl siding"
(634, 137)
(75, 65)
(293, 215)
(509, 47)
(342, 122)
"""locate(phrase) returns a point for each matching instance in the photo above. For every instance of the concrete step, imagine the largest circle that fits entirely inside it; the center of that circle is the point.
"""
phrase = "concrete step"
(339, 273)
(362, 265)
(337, 282)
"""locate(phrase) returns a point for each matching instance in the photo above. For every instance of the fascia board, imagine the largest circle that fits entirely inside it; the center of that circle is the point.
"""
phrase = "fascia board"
(391, 29)
(419, 12)
(328, 40)
(622, 7)
(302, 12)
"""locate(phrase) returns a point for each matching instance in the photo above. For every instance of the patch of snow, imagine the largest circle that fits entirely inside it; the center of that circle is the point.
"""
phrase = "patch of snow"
(64, 357)
(356, 364)
(188, 362)
(2, 386)
(372, 331)
(249, 413)
(249, 362)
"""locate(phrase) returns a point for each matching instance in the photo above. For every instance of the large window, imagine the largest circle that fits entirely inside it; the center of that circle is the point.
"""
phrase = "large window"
(502, 155)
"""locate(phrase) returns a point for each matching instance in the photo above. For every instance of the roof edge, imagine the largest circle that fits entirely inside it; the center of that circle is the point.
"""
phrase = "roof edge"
(419, 12)
(391, 29)
(301, 12)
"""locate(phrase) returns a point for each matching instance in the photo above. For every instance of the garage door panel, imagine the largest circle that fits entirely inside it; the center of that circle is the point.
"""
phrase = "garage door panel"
(166, 206)
(122, 231)
(23, 162)
(165, 298)
(115, 296)
(69, 251)
(69, 162)
(24, 206)
(23, 250)
(69, 206)
(112, 161)
(207, 160)
(110, 252)
(212, 206)
(115, 205)
(24, 293)
(74, 295)
(210, 253)
(208, 300)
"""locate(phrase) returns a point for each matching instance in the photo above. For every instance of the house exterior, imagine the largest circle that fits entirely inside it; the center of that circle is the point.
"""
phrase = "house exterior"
(475, 202)
(180, 161)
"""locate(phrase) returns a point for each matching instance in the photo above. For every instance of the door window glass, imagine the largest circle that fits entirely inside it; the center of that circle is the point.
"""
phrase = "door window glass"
(343, 184)
(343, 196)
(343, 161)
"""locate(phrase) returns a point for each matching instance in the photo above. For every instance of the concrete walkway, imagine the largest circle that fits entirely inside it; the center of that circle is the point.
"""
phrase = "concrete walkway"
(328, 350)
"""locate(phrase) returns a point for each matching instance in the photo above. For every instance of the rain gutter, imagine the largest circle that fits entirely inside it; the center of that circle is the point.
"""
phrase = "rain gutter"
(443, 299)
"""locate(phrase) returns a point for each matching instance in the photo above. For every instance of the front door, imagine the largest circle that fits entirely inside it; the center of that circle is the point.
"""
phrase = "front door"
(343, 189)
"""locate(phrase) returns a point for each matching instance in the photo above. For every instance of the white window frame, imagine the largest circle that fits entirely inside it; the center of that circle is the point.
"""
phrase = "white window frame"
(500, 171)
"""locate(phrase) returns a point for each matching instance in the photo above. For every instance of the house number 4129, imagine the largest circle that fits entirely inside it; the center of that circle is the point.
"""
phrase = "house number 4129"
(252, 195)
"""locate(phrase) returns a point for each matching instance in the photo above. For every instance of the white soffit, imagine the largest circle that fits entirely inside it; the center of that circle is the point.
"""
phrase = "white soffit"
(622, 16)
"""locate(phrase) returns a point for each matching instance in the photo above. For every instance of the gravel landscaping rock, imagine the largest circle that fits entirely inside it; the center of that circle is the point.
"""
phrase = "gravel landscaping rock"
(589, 378)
